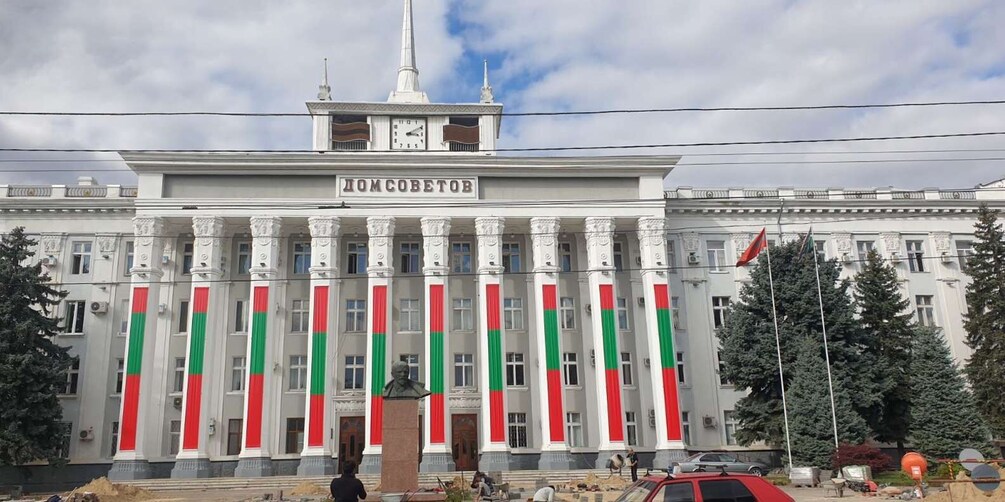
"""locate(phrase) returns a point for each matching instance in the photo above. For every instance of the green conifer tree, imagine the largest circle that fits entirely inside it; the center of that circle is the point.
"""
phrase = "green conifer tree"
(810, 418)
(32, 368)
(885, 315)
(985, 319)
(946, 417)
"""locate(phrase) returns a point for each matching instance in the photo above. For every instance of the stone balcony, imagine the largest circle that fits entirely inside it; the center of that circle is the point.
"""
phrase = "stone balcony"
(807, 194)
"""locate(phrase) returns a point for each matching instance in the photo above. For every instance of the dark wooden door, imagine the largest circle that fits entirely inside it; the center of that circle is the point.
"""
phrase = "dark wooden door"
(351, 439)
(464, 441)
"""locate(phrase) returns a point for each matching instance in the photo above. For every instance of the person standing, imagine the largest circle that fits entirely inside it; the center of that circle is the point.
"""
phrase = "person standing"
(348, 488)
(632, 459)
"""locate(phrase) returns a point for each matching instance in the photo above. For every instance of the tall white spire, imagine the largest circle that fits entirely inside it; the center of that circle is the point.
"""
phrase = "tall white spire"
(324, 90)
(408, 90)
(486, 88)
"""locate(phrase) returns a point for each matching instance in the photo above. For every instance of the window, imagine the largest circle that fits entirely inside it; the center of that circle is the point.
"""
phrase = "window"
(410, 258)
(241, 316)
(565, 256)
(675, 312)
(729, 426)
(460, 257)
(513, 313)
(413, 364)
(719, 306)
(72, 377)
(298, 373)
(410, 318)
(671, 257)
(64, 440)
(463, 320)
(294, 435)
(301, 257)
(863, 248)
(685, 422)
(179, 375)
(354, 368)
(926, 310)
(238, 367)
(183, 316)
(174, 431)
(511, 257)
(964, 250)
(619, 260)
(81, 258)
(124, 317)
(916, 256)
(300, 315)
(681, 377)
(235, 434)
(721, 368)
(725, 490)
(120, 374)
(574, 429)
(130, 256)
(632, 429)
(676, 492)
(356, 258)
(623, 314)
(355, 315)
(187, 252)
(515, 369)
(464, 370)
(75, 317)
(115, 438)
(570, 368)
(821, 250)
(567, 308)
(243, 258)
(517, 430)
(626, 369)
(716, 255)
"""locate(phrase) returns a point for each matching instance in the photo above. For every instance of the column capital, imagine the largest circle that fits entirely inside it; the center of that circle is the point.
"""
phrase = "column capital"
(487, 226)
(435, 226)
(435, 239)
(325, 231)
(381, 231)
(208, 231)
(489, 230)
(652, 244)
(265, 232)
(207, 226)
(544, 238)
(147, 248)
(599, 242)
(265, 226)
(323, 227)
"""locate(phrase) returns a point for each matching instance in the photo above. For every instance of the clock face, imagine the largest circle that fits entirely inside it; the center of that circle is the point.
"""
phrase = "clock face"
(408, 133)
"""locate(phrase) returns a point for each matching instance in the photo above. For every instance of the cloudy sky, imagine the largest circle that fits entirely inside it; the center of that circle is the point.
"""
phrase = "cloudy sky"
(557, 55)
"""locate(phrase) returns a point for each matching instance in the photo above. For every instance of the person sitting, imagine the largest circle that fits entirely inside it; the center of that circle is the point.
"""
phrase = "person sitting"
(347, 487)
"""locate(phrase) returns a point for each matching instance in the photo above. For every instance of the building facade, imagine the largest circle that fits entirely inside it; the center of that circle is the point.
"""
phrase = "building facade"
(237, 314)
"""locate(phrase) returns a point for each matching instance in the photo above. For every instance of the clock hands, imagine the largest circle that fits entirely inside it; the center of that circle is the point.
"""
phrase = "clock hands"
(414, 132)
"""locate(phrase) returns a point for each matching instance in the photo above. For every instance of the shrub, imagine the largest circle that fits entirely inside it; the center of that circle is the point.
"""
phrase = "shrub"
(861, 454)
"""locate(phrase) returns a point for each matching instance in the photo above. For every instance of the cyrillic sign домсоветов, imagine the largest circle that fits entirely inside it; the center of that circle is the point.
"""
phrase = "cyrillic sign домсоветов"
(350, 186)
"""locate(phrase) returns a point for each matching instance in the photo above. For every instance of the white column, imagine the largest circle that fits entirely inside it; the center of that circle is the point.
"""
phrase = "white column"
(600, 271)
(436, 453)
(491, 347)
(316, 457)
(136, 410)
(380, 269)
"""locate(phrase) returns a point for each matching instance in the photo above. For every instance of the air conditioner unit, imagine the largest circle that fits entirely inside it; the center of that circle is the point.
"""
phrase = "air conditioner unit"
(177, 403)
(652, 418)
(87, 435)
(946, 257)
(894, 257)
(708, 422)
(99, 307)
(48, 261)
(642, 301)
(692, 259)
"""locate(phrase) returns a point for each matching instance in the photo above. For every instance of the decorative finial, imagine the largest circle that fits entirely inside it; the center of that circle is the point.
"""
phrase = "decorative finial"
(324, 90)
(486, 88)
(407, 90)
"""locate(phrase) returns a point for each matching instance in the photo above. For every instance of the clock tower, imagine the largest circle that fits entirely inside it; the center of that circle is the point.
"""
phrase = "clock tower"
(407, 123)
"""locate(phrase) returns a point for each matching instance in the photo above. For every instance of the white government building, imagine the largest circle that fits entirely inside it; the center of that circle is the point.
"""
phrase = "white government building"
(237, 314)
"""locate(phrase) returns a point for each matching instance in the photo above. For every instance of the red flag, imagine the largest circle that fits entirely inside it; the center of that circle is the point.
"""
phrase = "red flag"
(756, 246)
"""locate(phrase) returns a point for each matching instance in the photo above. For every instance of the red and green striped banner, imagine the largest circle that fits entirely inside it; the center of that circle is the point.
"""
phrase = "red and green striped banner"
(668, 364)
(497, 413)
(256, 371)
(556, 423)
(319, 358)
(437, 415)
(610, 354)
(134, 363)
(377, 365)
(196, 355)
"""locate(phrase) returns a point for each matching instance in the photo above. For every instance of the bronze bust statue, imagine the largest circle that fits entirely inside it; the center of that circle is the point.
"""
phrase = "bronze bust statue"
(402, 387)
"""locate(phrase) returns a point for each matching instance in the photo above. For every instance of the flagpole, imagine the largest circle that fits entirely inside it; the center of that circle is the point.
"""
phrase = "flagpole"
(827, 355)
(778, 349)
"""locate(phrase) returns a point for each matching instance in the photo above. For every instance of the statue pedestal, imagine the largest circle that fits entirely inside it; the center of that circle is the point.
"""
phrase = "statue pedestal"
(400, 452)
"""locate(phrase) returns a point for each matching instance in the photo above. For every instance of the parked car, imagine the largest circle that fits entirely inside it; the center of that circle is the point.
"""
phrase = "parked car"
(704, 487)
(707, 462)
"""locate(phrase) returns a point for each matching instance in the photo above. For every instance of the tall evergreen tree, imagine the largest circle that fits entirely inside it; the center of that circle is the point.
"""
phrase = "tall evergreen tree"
(32, 368)
(946, 417)
(748, 339)
(885, 316)
(810, 419)
(985, 319)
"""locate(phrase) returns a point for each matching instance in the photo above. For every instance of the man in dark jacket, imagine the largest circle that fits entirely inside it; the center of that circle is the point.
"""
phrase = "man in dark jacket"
(347, 487)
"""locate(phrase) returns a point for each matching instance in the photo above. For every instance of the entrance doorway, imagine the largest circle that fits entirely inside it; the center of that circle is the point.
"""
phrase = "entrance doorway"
(351, 439)
(464, 441)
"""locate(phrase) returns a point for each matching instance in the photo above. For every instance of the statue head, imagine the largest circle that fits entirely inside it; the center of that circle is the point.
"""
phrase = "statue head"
(399, 371)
